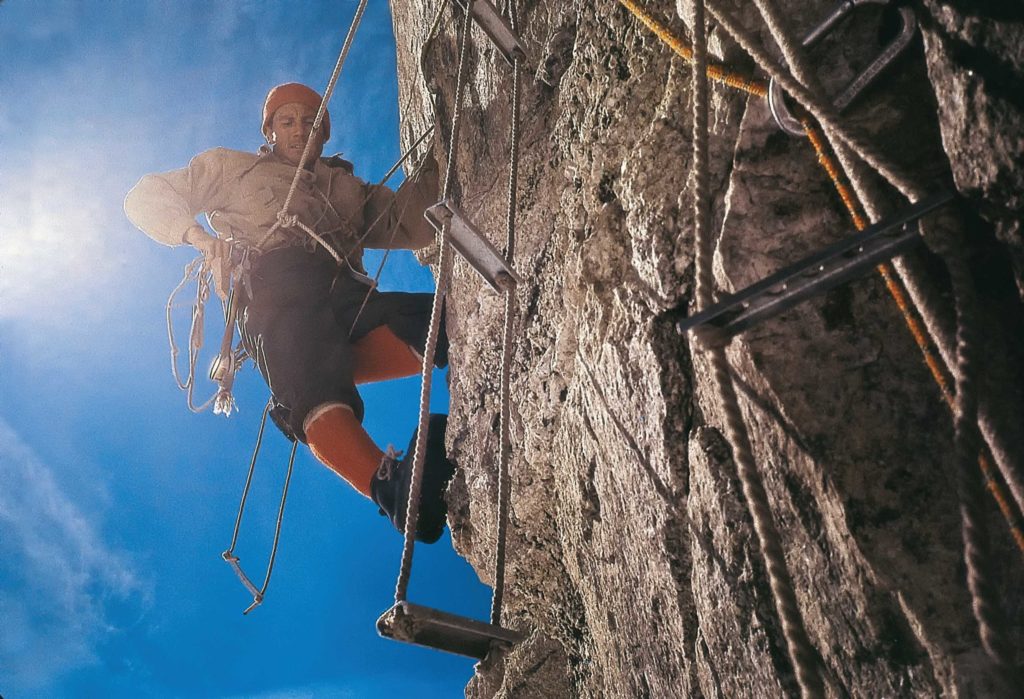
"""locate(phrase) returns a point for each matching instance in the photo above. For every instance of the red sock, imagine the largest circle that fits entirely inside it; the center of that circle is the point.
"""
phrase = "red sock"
(380, 356)
(338, 440)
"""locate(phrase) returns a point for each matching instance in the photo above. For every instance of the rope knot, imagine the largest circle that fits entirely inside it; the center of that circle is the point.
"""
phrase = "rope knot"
(286, 219)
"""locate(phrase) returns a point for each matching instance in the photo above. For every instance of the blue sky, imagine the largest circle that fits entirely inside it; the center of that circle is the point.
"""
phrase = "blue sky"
(115, 501)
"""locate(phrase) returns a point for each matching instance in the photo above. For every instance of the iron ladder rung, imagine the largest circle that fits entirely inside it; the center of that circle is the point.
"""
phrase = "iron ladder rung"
(497, 29)
(473, 245)
(433, 628)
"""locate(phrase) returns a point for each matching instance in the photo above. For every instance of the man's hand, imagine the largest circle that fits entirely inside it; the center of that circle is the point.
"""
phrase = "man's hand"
(215, 252)
(211, 247)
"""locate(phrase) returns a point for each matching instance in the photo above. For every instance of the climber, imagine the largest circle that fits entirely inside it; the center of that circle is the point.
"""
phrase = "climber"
(300, 305)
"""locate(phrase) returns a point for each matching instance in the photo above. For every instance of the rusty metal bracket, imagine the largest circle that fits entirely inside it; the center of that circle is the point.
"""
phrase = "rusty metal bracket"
(815, 274)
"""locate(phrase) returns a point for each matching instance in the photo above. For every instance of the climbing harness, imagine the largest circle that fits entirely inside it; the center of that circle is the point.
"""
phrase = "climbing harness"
(893, 50)
(229, 555)
(404, 621)
(831, 266)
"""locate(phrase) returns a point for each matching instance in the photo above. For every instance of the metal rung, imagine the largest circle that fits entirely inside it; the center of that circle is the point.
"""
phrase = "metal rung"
(473, 245)
(815, 274)
(432, 628)
(497, 29)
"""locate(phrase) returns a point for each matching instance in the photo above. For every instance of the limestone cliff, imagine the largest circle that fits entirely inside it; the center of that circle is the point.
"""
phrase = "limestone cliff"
(633, 566)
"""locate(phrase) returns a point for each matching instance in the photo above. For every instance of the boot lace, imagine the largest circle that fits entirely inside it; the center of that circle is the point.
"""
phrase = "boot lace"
(388, 463)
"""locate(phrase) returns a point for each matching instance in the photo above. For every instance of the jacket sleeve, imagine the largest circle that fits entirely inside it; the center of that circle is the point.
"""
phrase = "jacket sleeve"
(403, 209)
(165, 205)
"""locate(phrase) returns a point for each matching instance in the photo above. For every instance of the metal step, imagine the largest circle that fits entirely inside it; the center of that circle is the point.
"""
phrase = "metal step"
(815, 274)
(473, 245)
(497, 29)
(432, 628)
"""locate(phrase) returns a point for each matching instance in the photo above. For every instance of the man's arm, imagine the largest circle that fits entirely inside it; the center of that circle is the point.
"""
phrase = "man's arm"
(402, 212)
(164, 206)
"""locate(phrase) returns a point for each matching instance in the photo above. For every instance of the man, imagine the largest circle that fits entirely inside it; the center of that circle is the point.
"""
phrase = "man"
(301, 314)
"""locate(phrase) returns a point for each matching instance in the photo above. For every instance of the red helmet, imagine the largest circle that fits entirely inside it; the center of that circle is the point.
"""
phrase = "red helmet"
(288, 93)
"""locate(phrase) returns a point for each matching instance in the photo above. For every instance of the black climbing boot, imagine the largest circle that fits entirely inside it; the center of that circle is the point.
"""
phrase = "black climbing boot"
(390, 485)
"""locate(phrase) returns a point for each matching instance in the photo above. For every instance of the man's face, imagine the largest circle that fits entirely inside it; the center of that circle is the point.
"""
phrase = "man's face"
(290, 127)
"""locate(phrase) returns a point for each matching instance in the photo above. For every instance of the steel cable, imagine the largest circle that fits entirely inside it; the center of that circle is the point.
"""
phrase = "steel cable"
(507, 346)
(801, 651)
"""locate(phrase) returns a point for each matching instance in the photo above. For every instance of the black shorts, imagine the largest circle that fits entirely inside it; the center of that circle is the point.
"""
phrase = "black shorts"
(295, 323)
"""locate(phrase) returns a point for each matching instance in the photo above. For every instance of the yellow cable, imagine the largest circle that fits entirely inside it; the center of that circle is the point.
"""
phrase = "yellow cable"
(723, 74)
(716, 71)
(898, 295)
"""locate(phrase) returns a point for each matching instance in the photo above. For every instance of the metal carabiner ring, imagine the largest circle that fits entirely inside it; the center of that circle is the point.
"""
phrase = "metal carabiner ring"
(776, 97)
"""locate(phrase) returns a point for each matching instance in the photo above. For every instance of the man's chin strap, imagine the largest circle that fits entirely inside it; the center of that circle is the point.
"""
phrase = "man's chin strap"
(339, 441)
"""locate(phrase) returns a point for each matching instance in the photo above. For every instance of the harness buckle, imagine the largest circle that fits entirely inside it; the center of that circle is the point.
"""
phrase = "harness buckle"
(908, 25)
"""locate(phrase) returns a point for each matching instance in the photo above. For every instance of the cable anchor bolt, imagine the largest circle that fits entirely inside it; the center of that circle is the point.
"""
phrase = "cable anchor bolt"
(908, 26)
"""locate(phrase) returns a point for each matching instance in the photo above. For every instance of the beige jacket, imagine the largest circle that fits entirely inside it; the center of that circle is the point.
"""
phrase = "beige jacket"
(241, 194)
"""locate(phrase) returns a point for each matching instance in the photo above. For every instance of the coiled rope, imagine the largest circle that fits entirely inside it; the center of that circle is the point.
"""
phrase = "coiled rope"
(801, 651)
(198, 270)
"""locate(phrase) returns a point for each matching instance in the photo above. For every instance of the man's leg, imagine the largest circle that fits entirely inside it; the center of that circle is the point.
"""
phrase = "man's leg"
(339, 441)
(380, 355)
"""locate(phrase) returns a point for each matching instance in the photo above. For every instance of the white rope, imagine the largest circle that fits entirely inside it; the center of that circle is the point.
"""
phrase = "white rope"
(958, 362)
(413, 505)
(801, 650)
(507, 347)
(356, 20)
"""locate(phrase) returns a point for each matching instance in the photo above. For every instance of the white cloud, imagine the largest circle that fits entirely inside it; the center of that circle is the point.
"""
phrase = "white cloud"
(317, 691)
(59, 577)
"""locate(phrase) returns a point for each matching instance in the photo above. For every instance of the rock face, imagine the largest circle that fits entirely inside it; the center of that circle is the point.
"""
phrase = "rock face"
(632, 561)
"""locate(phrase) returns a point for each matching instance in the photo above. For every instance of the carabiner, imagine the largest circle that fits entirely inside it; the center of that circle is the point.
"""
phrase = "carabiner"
(908, 25)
